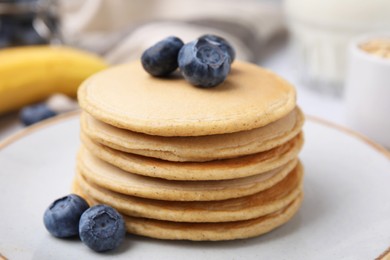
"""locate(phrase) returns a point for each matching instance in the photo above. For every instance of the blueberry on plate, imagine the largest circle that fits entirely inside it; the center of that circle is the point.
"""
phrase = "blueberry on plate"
(35, 113)
(161, 58)
(203, 63)
(222, 43)
(102, 228)
(62, 217)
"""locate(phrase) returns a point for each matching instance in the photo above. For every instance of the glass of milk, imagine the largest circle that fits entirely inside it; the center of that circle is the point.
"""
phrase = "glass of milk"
(320, 32)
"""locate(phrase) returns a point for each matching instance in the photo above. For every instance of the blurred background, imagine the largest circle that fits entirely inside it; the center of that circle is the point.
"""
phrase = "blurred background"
(311, 43)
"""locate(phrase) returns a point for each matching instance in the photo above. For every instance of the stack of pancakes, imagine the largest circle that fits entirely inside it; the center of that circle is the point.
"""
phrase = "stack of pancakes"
(181, 162)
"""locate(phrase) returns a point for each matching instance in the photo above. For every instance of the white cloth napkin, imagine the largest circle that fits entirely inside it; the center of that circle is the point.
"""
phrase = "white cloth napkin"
(121, 29)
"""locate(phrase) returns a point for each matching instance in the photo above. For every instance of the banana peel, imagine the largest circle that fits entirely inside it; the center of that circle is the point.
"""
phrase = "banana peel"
(31, 74)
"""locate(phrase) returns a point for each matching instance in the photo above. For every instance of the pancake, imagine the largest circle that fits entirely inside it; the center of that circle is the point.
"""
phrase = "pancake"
(203, 148)
(211, 170)
(259, 204)
(127, 97)
(211, 231)
(206, 231)
(115, 179)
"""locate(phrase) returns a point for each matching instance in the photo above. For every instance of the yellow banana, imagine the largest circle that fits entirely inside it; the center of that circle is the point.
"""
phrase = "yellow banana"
(31, 74)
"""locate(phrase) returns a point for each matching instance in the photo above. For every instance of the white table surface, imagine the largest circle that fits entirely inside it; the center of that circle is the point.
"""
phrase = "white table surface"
(313, 103)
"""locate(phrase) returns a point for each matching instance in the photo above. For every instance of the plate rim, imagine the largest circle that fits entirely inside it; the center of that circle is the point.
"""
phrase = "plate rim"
(35, 127)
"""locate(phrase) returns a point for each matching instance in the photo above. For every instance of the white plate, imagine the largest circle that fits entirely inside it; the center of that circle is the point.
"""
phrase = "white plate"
(345, 214)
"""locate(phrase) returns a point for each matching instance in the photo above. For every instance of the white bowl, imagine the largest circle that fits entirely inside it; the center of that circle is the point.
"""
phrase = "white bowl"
(368, 90)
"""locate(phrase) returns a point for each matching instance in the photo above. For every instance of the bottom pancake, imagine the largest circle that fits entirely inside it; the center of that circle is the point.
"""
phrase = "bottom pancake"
(206, 231)
(211, 231)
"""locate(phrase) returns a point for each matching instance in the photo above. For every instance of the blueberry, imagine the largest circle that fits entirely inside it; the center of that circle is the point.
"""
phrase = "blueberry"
(35, 113)
(203, 64)
(102, 228)
(222, 43)
(62, 217)
(161, 58)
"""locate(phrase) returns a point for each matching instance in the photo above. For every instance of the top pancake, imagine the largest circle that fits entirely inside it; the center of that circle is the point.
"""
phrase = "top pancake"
(127, 97)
